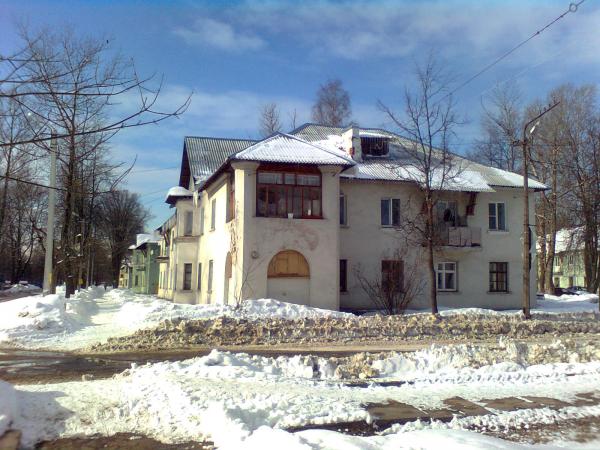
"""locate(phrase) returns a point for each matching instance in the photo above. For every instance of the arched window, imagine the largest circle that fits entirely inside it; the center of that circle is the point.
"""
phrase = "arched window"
(288, 264)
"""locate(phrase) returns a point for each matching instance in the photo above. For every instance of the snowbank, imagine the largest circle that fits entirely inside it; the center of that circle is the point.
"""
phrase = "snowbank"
(8, 406)
(94, 315)
(22, 288)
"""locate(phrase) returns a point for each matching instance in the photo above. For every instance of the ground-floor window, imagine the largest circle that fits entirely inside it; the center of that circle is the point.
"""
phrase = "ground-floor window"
(187, 277)
(498, 277)
(210, 275)
(392, 275)
(343, 275)
(446, 276)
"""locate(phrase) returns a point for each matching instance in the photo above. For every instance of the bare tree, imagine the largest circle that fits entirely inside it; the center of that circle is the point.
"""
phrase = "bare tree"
(293, 116)
(501, 125)
(428, 122)
(269, 122)
(394, 289)
(121, 217)
(332, 106)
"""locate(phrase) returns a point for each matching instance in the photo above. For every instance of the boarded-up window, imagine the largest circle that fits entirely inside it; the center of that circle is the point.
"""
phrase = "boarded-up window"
(288, 264)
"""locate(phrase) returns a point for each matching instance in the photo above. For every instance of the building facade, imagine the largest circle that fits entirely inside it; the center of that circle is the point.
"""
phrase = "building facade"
(144, 265)
(301, 217)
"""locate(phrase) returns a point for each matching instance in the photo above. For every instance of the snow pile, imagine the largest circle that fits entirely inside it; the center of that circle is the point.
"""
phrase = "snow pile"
(8, 406)
(469, 362)
(15, 288)
(573, 303)
(94, 315)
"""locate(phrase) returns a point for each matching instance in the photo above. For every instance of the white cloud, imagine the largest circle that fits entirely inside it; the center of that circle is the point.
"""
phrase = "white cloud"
(208, 32)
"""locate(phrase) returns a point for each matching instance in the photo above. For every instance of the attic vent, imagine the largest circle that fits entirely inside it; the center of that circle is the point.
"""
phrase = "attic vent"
(374, 146)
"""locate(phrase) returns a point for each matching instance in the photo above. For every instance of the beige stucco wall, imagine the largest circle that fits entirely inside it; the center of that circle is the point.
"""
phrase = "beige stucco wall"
(364, 241)
(317, 240)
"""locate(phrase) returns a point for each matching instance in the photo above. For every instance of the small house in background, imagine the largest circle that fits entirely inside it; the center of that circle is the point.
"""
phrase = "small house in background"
(569, 268)
(144, 264)
(125, 273)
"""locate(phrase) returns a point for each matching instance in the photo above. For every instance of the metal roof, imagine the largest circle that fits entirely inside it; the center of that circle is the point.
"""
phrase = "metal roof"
(284, 148)
(477, 177)
(204, 155)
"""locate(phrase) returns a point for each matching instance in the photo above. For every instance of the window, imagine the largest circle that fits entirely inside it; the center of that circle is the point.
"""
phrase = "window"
(136, 280)
(187, 277)
(392, 275)
(210, 275)
(231, 200)
(285, 193)
(188, 223)
(446, 212)
(175, 278)
(446, 276)
(199, 276)
(390, 212)
(497, 216)
(343, 275)
(498, 277)
(343, 210)
(202, 221)
(213, 214)
(374, 146)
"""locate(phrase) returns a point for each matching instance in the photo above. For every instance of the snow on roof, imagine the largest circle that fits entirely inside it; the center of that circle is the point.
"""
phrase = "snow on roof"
(177, 192)
(397, 167)
(144, 238)
(284, 148)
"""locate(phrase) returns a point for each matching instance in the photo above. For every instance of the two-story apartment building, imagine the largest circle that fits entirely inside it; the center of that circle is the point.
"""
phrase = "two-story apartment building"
(144, 265)
(292, 216)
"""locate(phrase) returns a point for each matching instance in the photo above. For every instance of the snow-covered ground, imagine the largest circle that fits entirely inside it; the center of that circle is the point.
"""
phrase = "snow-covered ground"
(240, 401)
(94, 315)
(17, 288)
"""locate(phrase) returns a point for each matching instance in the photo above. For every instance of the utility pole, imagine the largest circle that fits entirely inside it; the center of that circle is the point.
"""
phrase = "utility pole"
(526, 229)
(49, 285)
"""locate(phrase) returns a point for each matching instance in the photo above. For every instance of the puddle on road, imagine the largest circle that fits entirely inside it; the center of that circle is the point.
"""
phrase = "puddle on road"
(119, 441)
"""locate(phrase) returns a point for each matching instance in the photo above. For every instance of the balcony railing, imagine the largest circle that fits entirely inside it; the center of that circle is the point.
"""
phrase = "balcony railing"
(460, 236)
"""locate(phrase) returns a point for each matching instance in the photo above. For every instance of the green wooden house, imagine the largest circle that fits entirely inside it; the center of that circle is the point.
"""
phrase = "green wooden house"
(144, 265)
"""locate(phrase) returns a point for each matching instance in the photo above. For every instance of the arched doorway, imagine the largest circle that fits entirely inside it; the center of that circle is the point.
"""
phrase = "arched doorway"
(288, 278)
(228, 289)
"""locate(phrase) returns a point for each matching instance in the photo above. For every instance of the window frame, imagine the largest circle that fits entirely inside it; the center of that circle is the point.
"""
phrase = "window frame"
(187, 277)
(390, 215)
(343, 210)
(496, 216)
(213, 214)
(210, 276)
(188, 223)
(443, 272)
(289, 189)
(344, 278)
(494, 274)
(399, 263)
(202, 221)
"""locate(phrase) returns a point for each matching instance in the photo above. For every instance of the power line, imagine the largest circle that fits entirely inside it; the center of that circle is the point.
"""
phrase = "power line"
(572, 8)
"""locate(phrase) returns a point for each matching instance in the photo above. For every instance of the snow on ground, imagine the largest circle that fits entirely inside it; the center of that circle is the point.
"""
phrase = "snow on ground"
(8, 406)
(94, 315)
(242, 401)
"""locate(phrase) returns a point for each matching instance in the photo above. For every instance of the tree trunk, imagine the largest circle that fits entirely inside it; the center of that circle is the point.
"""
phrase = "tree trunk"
(430, 258)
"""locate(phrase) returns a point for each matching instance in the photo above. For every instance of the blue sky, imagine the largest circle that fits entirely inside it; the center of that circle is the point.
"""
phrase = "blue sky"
(236, 56)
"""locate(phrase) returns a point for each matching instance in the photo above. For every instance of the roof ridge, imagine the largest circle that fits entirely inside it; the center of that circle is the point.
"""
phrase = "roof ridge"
(220, 138)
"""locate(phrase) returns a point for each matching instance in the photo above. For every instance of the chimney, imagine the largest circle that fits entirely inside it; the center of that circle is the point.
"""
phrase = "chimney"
(351, 143)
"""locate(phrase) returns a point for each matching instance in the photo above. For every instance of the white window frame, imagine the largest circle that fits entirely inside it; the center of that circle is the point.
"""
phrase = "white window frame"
(390, 217)
(443, 271)
(210, 276)
(495, 216)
